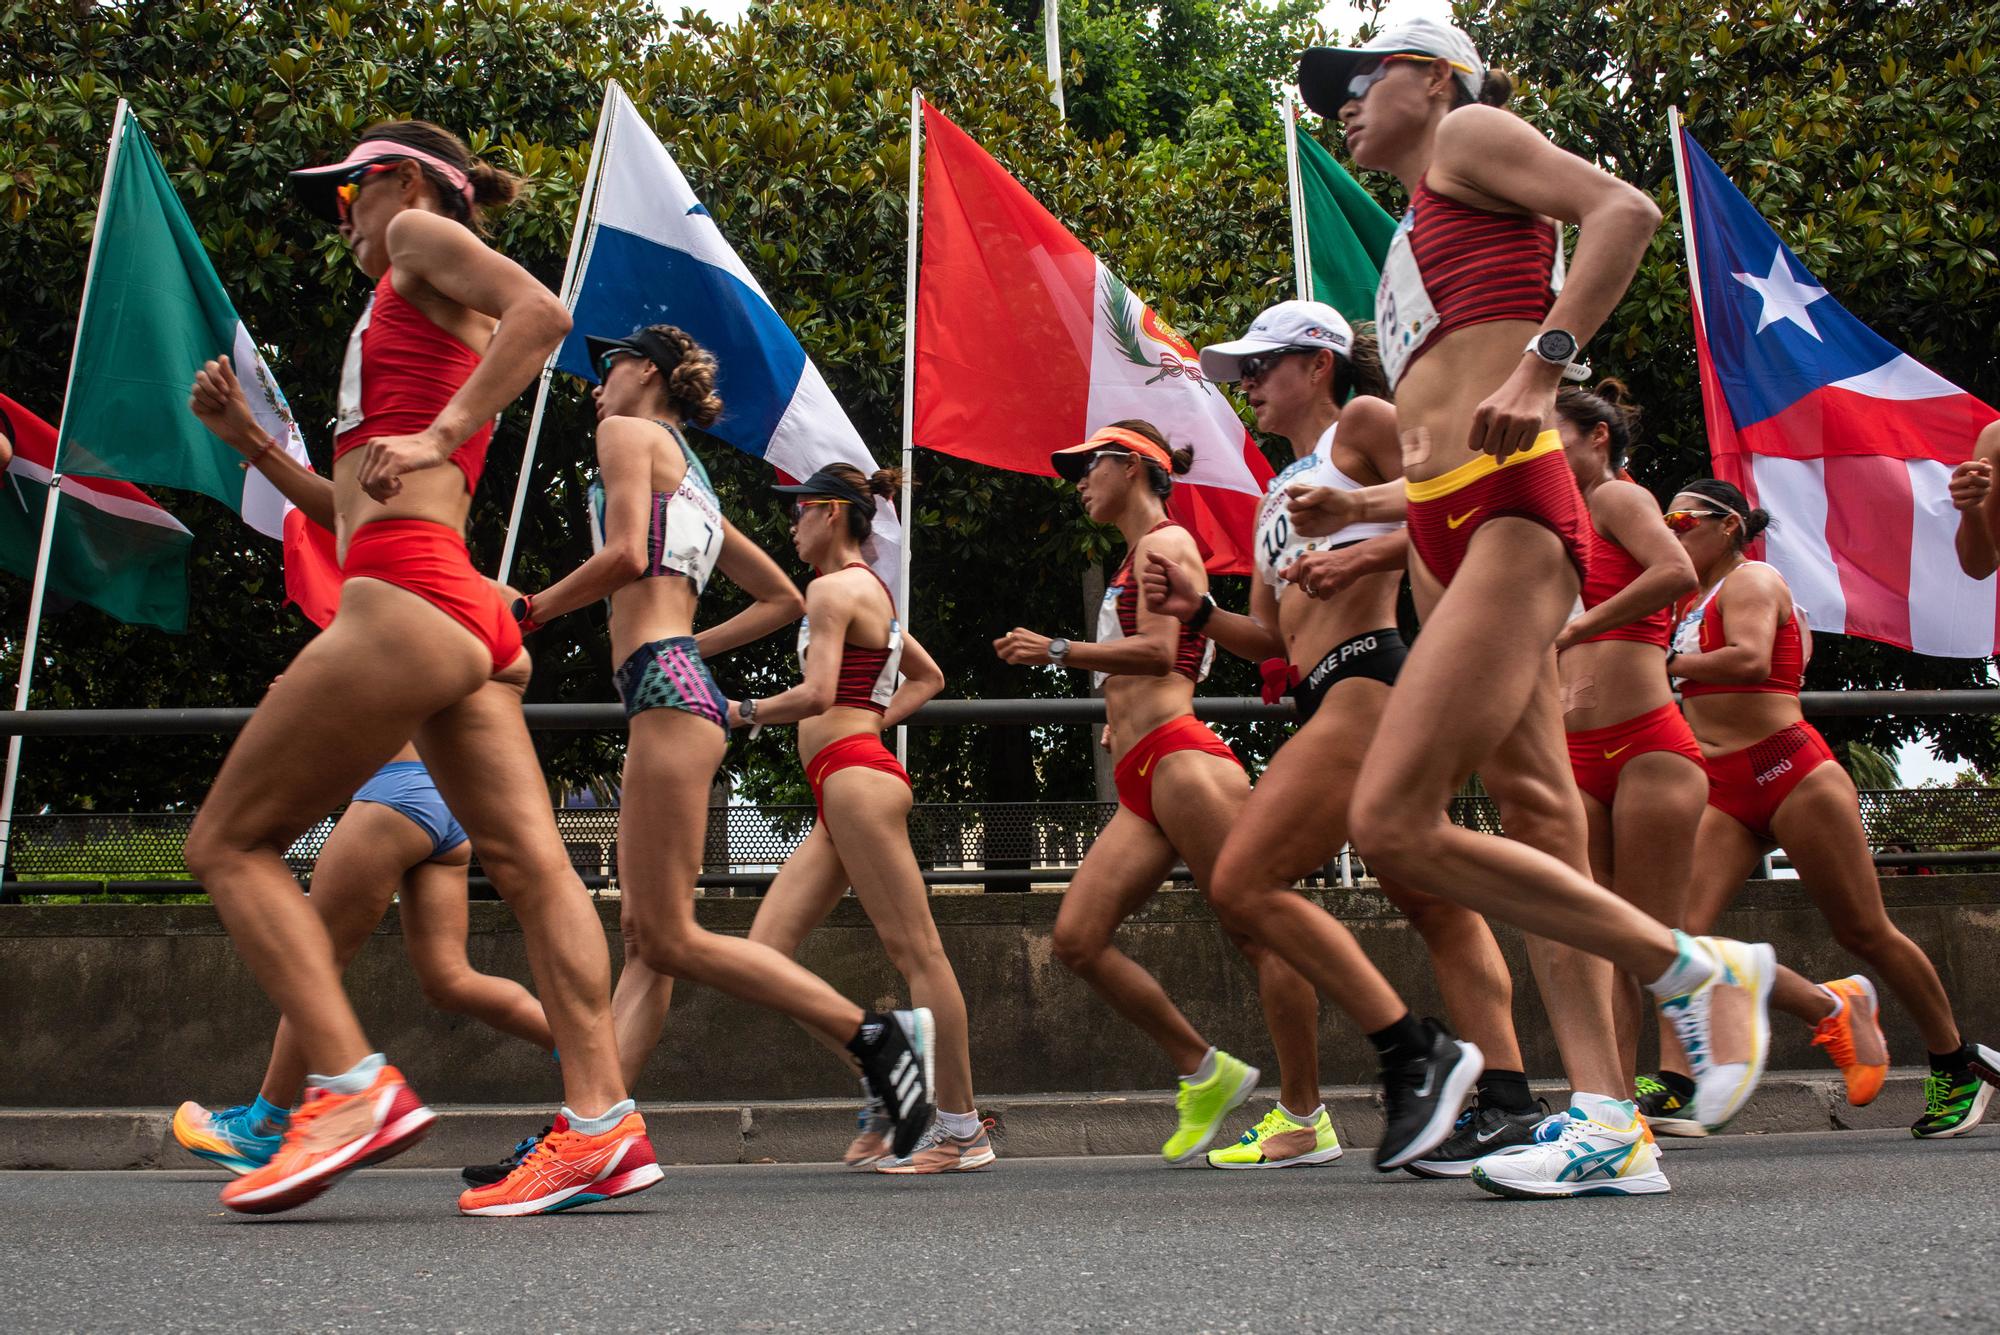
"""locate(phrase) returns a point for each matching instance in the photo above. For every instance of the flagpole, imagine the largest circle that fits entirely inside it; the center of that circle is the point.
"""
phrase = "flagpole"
(585, 202)
(1052, 52)
(33, 636)
(1301, 256)
(1687, 214)
(910, 256)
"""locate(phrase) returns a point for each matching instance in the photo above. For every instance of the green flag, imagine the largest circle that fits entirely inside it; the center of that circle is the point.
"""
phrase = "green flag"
(1347, 233)
(113, 546)
(153, 313)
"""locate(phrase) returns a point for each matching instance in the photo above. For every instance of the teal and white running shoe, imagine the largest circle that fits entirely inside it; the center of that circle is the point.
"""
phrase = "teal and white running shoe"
(231, 1137)
(1600, 1147)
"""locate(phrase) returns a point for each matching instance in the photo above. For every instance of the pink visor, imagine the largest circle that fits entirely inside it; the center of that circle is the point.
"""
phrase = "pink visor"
(316, 184)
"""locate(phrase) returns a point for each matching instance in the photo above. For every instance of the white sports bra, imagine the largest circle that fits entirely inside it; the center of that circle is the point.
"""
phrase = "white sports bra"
(683, 527)
(1277, 545)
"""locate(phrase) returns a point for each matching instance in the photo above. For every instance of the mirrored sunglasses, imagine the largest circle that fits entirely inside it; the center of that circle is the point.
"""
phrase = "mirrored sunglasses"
(1358, 86)
(1681, 521)
(349, 188)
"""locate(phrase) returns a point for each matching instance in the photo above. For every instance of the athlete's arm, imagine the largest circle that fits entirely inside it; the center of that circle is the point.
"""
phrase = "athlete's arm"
(1751, 603)
(1170, 592)
(750, 568)
(625, 467)
(1327, 574)
(922, 680)
(219, 401)
(1978, 504)
(445, 255)
(6, 449)
(831, 602)
(1484, 151)
(1628, 513)
(1320, 512)
(1150, 652)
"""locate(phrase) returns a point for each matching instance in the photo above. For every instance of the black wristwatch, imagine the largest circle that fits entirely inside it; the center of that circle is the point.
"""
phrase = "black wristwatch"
(1202, 613)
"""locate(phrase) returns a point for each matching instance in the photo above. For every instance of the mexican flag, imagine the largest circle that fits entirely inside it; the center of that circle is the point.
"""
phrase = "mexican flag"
(1347, 233)
(1026, 343)
(153, 312)
(113, 547)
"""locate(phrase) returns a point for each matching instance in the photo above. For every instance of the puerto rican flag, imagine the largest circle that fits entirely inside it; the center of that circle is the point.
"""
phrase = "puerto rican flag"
(1847, 440)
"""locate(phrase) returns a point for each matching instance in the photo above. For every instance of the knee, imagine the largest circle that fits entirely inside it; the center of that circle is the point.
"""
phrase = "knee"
(1078, 948)
(1395, 837)
(211, 854)
(447, 990)
(664, 947)
(913, 956)
(1866, 937)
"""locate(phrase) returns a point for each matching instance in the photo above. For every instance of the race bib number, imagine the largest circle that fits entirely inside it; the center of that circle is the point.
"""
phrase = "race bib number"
(1404, 314)
(349, 406)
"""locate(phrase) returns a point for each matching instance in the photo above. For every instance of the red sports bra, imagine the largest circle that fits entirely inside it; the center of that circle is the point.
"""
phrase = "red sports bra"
(1611, 568)
(867, 676)
(400, 371)
(1192, 653)
(1788, 653)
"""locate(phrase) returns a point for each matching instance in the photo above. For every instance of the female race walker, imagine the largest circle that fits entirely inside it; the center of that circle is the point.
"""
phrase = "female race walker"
(396, 840)
(660, 533)
(1335, 650)
(1475, 341)
(851, 649)
(1173, 774)
(421, 648)
(1740, 656)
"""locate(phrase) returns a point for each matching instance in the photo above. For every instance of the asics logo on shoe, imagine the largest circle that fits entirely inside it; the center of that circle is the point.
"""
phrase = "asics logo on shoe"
(588, 1167)
(1597, 1163)
(352, 1119)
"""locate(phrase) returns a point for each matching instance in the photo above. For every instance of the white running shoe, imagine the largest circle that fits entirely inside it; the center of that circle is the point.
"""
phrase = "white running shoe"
(1724, 1026)
(1600, 1147)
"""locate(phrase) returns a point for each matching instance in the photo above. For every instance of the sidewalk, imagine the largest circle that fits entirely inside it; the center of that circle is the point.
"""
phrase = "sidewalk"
(1025, 1126)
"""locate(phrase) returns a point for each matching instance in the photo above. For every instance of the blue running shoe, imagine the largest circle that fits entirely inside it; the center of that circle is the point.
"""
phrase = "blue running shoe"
(232, 1137)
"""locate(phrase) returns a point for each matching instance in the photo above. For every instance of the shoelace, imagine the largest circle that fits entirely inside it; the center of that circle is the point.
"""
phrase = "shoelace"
(548, 1146)
(1938, 1089)
(1274, 1123)
(526, 1146)
(1836, 1038)
(1645, 1085)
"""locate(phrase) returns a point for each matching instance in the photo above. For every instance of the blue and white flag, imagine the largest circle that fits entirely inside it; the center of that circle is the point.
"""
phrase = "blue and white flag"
(652, 255)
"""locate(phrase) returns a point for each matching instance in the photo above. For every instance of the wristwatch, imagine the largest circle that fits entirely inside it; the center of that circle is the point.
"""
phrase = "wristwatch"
(1201, 613)
(1558, 347)
(1058, 651)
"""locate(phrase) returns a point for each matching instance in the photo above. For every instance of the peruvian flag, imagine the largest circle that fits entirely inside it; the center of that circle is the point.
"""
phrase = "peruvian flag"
(1026, 344)
(1847, 440)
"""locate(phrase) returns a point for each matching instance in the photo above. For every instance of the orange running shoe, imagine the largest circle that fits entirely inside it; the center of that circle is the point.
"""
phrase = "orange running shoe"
(331, 1135)
(1853, 1038)
(569, 1169)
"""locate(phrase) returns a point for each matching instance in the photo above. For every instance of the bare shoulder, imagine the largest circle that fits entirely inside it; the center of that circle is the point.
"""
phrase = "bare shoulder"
(1987, 447)
(1368, 427)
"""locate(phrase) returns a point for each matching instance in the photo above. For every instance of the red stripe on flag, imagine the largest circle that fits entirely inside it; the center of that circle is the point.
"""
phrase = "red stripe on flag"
(1833, 421)
(35, 443)
(1868, 516)
(1222, 522)
(312, 572)
(1005, 306)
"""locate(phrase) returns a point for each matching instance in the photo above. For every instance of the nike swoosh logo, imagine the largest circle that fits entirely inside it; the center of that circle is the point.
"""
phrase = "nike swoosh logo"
(1145, 765)
(1453, 521)
(1613, 755)
(1484, 1136)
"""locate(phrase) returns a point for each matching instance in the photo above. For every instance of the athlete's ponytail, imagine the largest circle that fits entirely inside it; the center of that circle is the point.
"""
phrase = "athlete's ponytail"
(1360, 371)
(1610, 406)
(884, 482)
(690, 377)
(492, 187)
(1727, 496)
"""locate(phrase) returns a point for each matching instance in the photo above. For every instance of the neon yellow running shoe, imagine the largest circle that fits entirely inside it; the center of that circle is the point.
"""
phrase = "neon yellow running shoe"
(1203, 1106)
(1279, 1142)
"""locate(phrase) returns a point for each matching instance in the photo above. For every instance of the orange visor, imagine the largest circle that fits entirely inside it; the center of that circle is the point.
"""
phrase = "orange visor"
(1070, 463)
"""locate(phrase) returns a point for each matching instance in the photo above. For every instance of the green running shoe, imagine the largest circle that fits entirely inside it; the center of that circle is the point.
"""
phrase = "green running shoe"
(1203, 1106)
(1279, 1142)
(1953, 1105)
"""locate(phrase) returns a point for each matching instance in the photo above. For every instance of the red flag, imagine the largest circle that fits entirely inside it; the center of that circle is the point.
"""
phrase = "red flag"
(1026, 344)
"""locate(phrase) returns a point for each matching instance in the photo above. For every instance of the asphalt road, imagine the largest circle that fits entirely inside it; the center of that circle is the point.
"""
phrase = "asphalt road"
(1855, 1230)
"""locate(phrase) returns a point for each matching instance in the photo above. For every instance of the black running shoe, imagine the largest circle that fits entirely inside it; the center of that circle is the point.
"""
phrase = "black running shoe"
(1479, 1131)
(1421, 1099)
(898, 1056)
(1665, 1101)
(486, 1174)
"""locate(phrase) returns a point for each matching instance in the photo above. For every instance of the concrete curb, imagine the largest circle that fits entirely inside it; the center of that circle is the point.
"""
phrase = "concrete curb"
(1025, 1126)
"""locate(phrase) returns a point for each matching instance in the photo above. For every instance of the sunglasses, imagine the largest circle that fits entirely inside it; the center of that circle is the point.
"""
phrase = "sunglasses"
(1683, 521)
(1258, 364)
(349, 188)
(604, 362)
(799, 506)
(1094, 460)
(1358, 86)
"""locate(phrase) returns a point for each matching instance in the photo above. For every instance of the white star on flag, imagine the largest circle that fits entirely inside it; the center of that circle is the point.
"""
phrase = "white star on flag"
(1784, 297)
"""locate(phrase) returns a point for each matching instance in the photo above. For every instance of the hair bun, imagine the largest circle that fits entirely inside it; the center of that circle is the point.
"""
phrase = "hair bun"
(1497, 89)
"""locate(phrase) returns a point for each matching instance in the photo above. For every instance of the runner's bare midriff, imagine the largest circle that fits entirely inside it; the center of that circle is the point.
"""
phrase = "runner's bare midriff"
(1724, 723)
(1313, 627)
(1438, 397)
(1138, 705)
(1609, 681)
(436, 494)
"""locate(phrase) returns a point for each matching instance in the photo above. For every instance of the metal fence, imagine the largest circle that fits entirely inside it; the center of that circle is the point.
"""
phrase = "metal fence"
(990, 845)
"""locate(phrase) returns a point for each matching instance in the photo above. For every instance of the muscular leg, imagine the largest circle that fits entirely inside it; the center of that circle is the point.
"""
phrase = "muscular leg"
(1820, 826)
(337, 705)
(483, 763)
(639, 1004)
(868, 818)
(1123, 869)
(356, 875)
(1653, 820)
(435, 920)
(668, 765)
(1472, 977)
(1529, 778)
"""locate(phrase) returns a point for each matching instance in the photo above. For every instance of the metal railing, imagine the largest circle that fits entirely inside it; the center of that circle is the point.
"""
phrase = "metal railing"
(994, 845)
